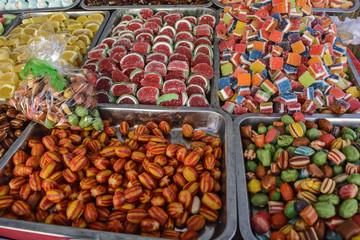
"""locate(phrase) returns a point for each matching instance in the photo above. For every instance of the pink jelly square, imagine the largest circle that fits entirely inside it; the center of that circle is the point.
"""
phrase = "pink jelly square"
(337, 92)
(276, 36)
(240, 48)
(354, 104)
(317, 50)
(276, 63)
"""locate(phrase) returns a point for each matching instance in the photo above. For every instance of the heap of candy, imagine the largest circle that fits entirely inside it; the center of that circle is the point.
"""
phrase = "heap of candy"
(9, 5)
(343, 4)
(145, 2)
(163, 58)
(280, 58)
(306, 176)
(14, 48)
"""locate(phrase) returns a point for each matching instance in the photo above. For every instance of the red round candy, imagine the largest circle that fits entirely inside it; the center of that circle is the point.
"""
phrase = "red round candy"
(277, 236)
(327, 139)
(261, 222)
(278, 220)
(298, 116)
(271, 135)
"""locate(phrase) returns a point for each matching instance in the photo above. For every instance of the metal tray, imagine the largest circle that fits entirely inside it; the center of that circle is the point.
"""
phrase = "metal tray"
(85, 6)
(18, 20)
(10, 26)
(332, 11)
(244, 208)
(42, 9)
(197, 12)
(212, 121)
(354, 75)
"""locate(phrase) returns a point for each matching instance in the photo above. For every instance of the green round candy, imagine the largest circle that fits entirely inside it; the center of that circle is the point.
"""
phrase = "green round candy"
(290, 210)
(302, 125)
(289, 175)
(312, 134)
(324, 209)
(285, 140)
(270, 147)
(251, 146)
(94, 112)
(337, 170)
(49, 124)
(251, 166)
(286, 119)
(357, 130)
(348, 208)
(81, 111)
(354, 179)
(73, 119)
(85, 121)
(349, 131)
(275, 155)
(291, 149)
(262, 130)
(270, 127)
(329, 198)
(351, 153)
(264, 156)
(347, 136)
(319, 158)
(277, 194)
(98, 124)
(278, 181)
(259, 199)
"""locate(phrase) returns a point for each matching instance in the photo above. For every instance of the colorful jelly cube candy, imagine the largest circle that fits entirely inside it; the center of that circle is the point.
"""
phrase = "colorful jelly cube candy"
(244, 79)
(337, 92)
(276, 51)
(224, 82)
(266, 108)
(227, 69)
(298, 47)
(258, 66)
(225, 93)
(317, 69)
(255, 54)
(276, 36)
(284, 25)
(269, 87)
(317, 50)
(229, 107)
(261, 96)
(354, 104)
(306, 79)
(276, 63)
(270, 24)
(294, 59)
(260, 46)
(283, 85)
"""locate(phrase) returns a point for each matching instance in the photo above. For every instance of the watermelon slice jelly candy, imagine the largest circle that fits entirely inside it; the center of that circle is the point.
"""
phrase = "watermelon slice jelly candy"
(156, 55)
(127, 99)
(119, 89)
(276, 57)
(148, 95)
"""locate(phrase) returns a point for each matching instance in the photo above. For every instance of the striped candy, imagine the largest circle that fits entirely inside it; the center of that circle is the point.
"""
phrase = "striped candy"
(298, 162)
(303, 150)
(327, 186)
(351, 168)
(250, 154)
(317, 144)
(275, 207)
(336, 156)
(308, 196)
(296, 130)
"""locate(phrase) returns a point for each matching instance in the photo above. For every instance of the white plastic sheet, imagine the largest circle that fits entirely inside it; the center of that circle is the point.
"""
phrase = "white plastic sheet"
(349, 26)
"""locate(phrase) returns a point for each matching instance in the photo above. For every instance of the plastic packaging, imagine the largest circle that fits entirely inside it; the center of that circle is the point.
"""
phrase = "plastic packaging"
(56, 95)
(348, 26)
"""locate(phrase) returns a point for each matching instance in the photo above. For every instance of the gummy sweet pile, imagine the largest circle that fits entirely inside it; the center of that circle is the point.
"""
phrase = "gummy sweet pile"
(156, 59)
(343, 4)
(280, 58)
(9, 5)
(5, 20)
(14, 48)
(144, 2)
(304, 179)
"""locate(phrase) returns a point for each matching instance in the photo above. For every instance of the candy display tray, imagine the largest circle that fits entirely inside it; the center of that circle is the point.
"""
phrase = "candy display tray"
(18, 20)
(213, 122)
(245, 210)
(197, 12)
(10, 26)
(217, 103)
(84, 5)
(332, 11)
(42, 9)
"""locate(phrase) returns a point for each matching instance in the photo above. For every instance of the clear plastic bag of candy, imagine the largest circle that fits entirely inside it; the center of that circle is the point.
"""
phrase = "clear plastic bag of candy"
(54, 94)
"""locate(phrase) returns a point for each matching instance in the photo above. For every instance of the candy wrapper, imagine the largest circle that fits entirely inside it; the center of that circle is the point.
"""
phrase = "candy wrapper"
(55, 95)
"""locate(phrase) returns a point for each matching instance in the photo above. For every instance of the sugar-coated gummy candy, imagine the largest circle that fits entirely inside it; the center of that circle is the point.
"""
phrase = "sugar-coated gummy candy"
(289, 175)
(354, 178)
(329, 198)
(351, 153)
(81, 111)
(73, 119)
(348, 208)
(285, 140)
(324, 209)
(259, 199)
(319, 158)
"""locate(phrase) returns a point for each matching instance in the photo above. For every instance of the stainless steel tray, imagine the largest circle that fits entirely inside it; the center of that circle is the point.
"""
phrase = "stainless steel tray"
(245, 211)
(332, 11)
(354, 75)
(85, 6)
(18, 20)
(197, 12)
(8, 27)
(43, 9)
(212, 121)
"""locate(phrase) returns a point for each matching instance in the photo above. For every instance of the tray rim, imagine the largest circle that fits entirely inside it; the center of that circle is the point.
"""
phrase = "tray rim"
(42, 9)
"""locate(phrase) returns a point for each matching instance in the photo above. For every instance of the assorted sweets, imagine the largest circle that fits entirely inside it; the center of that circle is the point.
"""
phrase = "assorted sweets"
(57, 100)
(143, 185)
(279, 58)
(342, 4)
(304, 178)
(155, 58)
(144, 2)
(75, 33)
(16, 5)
